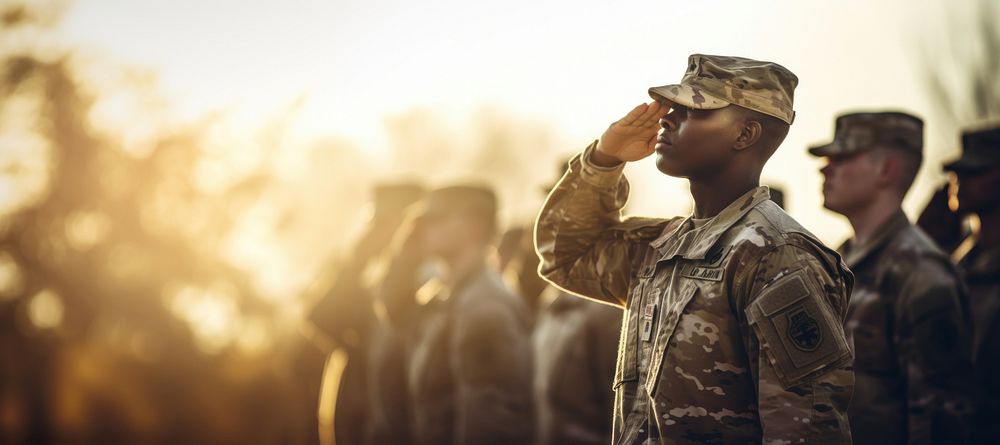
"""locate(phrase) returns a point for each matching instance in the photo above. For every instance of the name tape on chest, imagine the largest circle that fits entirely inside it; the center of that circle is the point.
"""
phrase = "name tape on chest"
(703, 273)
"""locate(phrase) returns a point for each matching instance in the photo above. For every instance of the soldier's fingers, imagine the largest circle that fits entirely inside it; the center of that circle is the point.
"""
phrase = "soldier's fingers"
(653, 121)
(652, 112)
(634, 115)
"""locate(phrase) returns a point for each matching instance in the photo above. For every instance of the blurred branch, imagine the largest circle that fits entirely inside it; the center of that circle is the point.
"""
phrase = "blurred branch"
(962, 68)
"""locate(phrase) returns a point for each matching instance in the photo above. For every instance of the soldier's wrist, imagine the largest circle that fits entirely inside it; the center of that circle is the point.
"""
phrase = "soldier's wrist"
(600, 159)
(598, 175)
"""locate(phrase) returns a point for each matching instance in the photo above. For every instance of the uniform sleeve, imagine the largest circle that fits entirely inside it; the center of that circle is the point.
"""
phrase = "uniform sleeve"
(934, 343)
(345, 312)
(794, 335)
(584, 244)
(397, 292)
(492, 365)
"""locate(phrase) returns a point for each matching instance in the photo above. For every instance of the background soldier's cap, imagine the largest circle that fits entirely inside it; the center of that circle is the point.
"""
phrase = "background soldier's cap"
(470, 200)
(713, 82)
(980, 149)
(858, 132)
(397, 196)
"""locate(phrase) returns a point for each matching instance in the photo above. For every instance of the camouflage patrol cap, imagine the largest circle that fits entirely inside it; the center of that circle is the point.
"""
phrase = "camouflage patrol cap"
(858, 132)
(713, 82)
(980, 149)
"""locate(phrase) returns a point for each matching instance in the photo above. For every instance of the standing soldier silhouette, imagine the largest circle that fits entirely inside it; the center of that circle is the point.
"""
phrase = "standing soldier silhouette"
(907, 315)
(978, 171)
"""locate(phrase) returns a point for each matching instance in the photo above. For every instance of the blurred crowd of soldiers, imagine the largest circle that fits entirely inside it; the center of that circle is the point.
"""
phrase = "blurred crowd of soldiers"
(453, 338)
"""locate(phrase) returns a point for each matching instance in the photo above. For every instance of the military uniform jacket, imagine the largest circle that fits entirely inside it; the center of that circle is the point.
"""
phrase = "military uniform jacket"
(469, 364)
(575, 344)
(912, 337)
(733, 330)
(981, 268)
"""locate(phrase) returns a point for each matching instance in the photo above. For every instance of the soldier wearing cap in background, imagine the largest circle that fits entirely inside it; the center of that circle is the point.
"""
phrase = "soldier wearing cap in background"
(469, 352)
(733, 329)
(907, 316)
(345, 318)
(978, 171)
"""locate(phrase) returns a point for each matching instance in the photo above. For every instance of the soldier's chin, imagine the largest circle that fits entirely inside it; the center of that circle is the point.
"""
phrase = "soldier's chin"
(667, 167)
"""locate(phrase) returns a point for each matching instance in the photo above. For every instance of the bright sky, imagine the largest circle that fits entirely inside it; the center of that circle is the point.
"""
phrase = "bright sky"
(576, 65)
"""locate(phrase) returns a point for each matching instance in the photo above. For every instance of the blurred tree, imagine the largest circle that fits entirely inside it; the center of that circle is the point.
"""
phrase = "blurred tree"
(121, 318)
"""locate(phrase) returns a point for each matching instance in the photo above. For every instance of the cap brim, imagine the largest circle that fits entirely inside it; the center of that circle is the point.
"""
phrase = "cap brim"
(824, 150)
(688, 96)
(968, 164)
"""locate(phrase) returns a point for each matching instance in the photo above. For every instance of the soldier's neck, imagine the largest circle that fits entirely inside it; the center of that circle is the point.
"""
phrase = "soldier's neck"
(867, 220)
(713, 196)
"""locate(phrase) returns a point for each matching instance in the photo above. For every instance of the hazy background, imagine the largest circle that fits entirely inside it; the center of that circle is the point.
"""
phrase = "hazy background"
(178, 179)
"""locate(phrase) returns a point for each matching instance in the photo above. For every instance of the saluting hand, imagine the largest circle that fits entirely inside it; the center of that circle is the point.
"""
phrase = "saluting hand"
(632, 137)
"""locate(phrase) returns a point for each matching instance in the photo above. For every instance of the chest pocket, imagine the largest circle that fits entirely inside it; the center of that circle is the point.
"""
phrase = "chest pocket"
(627, 366)
(674, 305)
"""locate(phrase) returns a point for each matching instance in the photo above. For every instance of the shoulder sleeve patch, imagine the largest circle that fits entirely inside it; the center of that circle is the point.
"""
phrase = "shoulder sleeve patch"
(797, 329)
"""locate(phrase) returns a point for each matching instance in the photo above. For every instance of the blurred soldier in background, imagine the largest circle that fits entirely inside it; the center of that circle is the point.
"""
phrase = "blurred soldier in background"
(978, 172)
(519, 265)
(575, 342)
(943, 221)
(778, 196)
(469, 365)
(345, 317)
(910, 329)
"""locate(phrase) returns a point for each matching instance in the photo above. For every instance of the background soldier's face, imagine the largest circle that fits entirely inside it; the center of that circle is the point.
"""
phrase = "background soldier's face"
(849, 182)
(696, 143)
(979, 190)
(447, 232)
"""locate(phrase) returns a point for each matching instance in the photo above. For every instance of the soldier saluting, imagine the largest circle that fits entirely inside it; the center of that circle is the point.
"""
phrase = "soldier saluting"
(734, 323)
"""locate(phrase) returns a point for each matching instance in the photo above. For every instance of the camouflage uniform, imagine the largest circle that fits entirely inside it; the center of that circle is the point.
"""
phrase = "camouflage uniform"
(982, 275)
(575, 346)
(981, 268)
(912, 339)
(733, 330)
(907, 316)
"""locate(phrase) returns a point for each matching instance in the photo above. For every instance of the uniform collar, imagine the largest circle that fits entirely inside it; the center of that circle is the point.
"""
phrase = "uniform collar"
(854, 255)
(681, 240)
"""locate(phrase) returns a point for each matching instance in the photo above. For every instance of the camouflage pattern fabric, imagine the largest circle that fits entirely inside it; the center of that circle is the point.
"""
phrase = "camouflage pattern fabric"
(733, 329)
(913, 340)
(713, 82)
(858, 132)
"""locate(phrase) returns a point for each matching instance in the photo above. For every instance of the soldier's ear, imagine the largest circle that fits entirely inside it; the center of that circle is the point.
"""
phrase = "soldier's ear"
(887, 167)
(750, 133)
